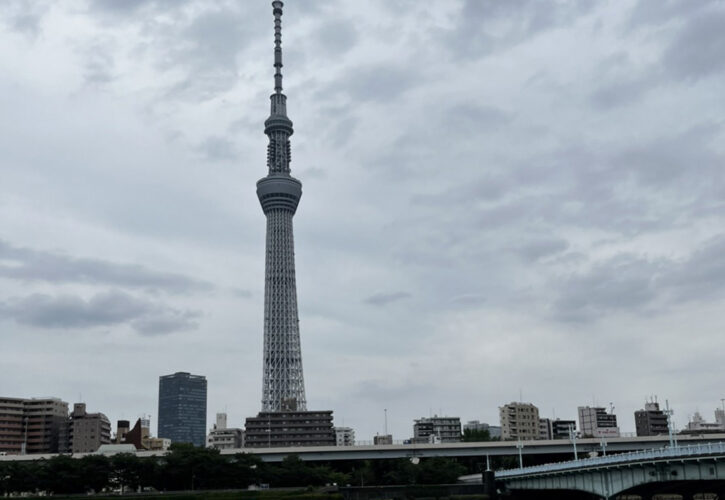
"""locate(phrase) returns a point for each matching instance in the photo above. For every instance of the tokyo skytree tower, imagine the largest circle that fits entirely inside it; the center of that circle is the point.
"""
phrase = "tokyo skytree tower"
(283, 386)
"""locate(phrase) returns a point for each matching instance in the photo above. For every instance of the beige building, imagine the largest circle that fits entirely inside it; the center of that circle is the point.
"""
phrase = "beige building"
(222, 437)
(32, 425)
(87, 431)
(519, 421)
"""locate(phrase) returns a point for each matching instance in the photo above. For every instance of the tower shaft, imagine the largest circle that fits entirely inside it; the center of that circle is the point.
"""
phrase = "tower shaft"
(283, 386)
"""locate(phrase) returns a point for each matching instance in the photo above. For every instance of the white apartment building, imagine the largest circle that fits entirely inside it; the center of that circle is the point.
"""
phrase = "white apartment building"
(519, 421)
(344, 436)
(596, 422)
(222, 437)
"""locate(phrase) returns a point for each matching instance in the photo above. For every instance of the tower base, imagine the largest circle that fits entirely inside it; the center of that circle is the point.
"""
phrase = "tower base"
(287, 429)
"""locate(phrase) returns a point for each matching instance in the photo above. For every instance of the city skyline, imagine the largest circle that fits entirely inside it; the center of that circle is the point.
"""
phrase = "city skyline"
(498, 197)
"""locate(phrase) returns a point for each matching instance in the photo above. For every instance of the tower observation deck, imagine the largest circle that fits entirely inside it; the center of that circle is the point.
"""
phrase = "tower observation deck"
(283, 385)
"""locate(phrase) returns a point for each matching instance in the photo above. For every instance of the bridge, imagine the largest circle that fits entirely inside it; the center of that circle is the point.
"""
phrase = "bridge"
(689, 470)
(481, 449)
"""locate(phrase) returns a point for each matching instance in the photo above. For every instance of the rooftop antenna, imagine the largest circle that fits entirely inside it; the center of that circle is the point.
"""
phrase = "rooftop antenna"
(385, 410)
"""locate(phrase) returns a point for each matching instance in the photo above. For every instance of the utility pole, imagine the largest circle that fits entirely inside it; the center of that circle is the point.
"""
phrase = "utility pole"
(572, 437)
(669, 413)
(520, 447)
(603, 444)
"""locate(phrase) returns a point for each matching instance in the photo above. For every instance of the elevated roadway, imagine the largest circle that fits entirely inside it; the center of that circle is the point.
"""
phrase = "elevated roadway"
(482, 449)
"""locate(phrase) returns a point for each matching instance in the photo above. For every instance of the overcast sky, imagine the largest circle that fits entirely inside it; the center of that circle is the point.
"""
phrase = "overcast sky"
(502, 199)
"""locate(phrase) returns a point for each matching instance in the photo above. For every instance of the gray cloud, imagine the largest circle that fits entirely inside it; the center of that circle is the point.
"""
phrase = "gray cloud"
(624, 283)
(489, 188)
(515, 172)
(375, 83)
(621, 93)
(24, 17)
(701, 276)
(239, 292)
(127, 9)
(103, 309)
(383, 299)
(536, 249)
(637, 284)
(657, 12)
(484, 26)
(217, 148)
(468, 300)
(98, 64)
(168, 321)
(697, 51)
(33, 265)
(465, 117)
(336, 36)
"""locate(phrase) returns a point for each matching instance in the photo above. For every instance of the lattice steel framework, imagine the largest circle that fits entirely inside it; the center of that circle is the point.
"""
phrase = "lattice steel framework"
(283, 385)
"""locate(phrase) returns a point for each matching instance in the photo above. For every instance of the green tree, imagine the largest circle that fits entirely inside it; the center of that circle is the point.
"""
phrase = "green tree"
(440, 470)
(471, 436)
(399, 471)
(19, 477)
(96, 472)
(244, 469)
(187, 467)
(60, 475)
(126, 471)
(292, 471)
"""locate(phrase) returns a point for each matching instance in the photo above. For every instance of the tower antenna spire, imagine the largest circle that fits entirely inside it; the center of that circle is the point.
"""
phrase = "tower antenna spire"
(277, 11)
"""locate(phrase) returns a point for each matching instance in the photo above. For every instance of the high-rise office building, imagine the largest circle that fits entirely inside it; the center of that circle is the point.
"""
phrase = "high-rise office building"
(182, 408)
(284, 419)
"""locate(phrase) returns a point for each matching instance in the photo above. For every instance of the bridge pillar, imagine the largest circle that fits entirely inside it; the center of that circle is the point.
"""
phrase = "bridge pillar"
(489, 484)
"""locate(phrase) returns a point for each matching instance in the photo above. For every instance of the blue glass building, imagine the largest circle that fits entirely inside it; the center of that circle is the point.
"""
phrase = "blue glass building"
(182, 408)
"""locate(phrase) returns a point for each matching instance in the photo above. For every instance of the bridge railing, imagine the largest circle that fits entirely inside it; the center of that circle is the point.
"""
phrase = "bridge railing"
(633, 456)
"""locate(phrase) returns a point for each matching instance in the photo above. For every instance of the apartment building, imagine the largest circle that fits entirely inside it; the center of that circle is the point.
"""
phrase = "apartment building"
(519, 421)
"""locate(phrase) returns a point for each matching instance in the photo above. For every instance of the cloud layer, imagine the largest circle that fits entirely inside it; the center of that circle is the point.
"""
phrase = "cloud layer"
(498, 197)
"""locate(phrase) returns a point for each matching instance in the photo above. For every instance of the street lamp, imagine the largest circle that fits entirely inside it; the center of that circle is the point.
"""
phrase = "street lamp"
(603, 444)
(520, 447)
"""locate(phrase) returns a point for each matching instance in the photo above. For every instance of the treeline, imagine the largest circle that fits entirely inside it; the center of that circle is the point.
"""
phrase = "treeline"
(188, 468)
